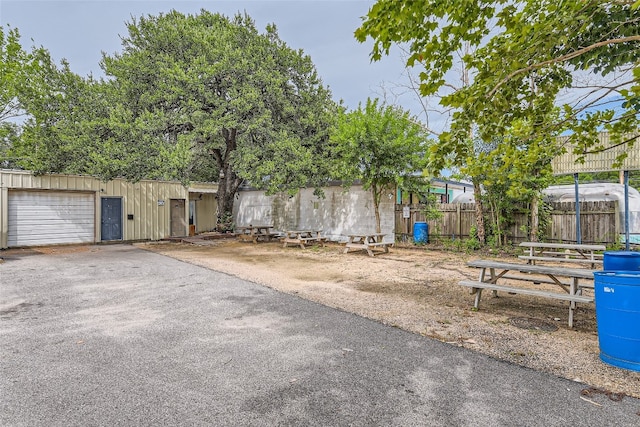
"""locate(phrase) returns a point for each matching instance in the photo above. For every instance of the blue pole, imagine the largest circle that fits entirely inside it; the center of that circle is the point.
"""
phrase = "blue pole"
(578, 230)
(626, 209)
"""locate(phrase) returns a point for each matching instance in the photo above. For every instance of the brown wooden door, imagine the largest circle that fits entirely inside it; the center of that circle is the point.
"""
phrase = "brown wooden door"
(178, 218)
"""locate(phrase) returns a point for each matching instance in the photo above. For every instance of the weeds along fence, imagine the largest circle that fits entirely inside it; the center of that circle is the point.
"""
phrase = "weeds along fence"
(599, 222)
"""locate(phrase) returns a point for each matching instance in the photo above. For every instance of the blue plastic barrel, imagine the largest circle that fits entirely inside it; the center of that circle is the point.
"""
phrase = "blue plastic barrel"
(621, 261)
(420, 233)
(617, 298)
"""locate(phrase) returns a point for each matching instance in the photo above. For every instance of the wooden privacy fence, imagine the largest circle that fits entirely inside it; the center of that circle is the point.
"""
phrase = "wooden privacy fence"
(599, 222)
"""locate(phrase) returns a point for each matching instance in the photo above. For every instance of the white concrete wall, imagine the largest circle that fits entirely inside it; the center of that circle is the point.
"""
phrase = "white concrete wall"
(338, 214)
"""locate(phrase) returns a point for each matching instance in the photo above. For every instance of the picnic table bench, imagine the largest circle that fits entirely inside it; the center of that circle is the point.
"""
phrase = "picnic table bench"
(562, 252)
(571, 280)
(253, 233)
(367, 242)
(303, 237)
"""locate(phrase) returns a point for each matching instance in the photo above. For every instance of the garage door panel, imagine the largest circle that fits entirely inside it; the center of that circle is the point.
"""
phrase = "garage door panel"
(39, 240)
(61, 216)
(48, 217)
(54, 215)
(53, 229)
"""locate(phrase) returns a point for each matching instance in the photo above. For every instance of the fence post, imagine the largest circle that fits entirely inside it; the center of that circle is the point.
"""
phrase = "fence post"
(626, 209)
(578, 230)
(459, 221)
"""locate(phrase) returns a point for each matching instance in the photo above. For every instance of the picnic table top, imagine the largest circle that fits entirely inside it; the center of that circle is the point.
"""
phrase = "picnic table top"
(563, 246)
(529, 268)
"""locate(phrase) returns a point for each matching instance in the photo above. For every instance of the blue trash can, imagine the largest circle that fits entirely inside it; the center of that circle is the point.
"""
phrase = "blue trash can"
(617, 298)
(420, 233)
(621, 261)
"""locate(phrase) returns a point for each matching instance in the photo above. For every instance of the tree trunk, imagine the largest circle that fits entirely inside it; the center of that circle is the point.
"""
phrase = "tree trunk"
(228, 183)
(477, 194)
(535, 219)
(227, 188)
(497, 221)
(376, 193)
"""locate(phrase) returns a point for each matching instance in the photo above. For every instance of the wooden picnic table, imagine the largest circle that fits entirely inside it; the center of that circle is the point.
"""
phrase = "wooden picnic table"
(303, 237)
(253, 233)
(367, 242)
(562, 252)
(571, 280)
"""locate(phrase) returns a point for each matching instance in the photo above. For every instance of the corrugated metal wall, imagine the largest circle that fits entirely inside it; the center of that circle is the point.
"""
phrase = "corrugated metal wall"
(147, 201)
(204, 195)
(206, 212)
(600, 161)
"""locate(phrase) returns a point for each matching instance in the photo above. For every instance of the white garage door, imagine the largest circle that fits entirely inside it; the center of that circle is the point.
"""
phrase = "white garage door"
(49, 217)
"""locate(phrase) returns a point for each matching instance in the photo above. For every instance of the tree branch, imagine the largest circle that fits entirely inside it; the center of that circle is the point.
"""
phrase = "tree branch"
(562, 58)
(602, 150)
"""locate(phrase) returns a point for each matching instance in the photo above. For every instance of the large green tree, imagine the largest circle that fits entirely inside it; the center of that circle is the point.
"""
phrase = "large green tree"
(16, 67)
(241, 100)
(525, 54)
(381, 146)
(79, 125)
(54, 121)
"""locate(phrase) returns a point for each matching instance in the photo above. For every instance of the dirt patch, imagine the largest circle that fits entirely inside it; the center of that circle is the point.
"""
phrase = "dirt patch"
(417, 290)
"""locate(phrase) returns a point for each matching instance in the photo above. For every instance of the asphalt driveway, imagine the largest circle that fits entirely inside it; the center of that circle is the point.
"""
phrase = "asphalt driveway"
(117, 336)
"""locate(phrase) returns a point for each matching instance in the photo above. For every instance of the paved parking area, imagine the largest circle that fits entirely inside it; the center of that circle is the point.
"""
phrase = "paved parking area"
(117, 336)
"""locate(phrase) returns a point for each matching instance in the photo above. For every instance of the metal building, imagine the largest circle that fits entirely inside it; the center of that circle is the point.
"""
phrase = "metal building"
(66, 209)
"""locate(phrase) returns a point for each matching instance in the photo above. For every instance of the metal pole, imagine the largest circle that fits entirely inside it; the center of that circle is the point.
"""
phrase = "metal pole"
(626, 209)
(578, 230)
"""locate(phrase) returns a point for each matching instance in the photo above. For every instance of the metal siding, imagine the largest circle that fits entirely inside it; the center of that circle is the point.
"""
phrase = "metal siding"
(132, 207)
(4, 213)
(206, 213)
(129, 229)
(143, 210)
(140, 199)
(46, 217)
(597, 162)
(25, 180)
(155, 216)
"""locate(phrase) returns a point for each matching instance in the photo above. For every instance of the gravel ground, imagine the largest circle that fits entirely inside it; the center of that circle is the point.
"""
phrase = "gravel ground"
(417, 290)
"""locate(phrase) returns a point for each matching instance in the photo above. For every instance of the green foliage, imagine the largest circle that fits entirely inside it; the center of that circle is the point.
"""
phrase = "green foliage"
(420, 185)
(244, 97)
(512, 173)
(82, 128)
(17, 67)
(525, 53)
(520, 56)
(430, 208)
(455, 245)
(189, 97)
(616, 246)
(545, 220)
(226, 224)
(248, 106)
(75, 125)
(379, 145)
(473, 243)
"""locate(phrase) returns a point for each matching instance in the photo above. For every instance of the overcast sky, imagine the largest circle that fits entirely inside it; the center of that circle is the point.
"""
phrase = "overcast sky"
(79, 30)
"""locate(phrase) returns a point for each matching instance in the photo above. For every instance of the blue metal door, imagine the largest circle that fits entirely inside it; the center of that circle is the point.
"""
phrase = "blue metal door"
(111, 224)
